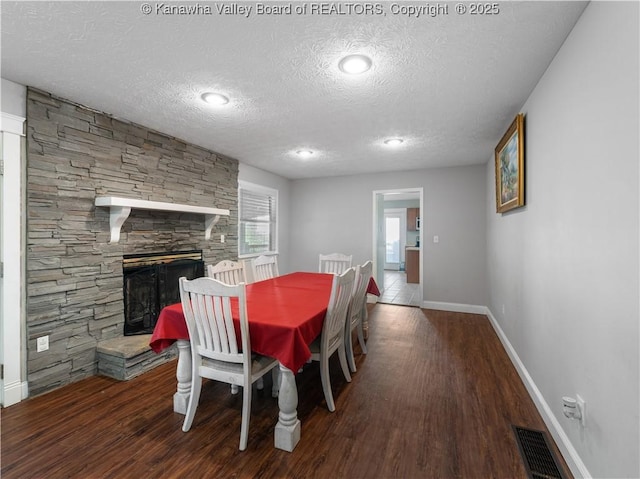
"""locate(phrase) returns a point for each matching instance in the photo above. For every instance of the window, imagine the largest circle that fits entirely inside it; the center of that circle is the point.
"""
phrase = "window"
(257, 219)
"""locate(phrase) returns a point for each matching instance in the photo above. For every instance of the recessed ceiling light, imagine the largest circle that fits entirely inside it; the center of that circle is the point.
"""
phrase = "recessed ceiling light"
(215, 98)
(393, 141)
(304, 153)
(355, 64)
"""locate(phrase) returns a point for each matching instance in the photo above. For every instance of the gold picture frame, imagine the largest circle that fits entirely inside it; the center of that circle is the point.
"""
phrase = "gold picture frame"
(509, 157)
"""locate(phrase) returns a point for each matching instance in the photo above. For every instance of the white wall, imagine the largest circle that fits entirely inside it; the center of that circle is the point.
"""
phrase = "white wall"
(336, 215)
(283, 185)
(566, 267)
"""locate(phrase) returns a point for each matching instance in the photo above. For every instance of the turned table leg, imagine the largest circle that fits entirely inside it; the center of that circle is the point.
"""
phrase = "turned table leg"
(183, 374)
(287, 432)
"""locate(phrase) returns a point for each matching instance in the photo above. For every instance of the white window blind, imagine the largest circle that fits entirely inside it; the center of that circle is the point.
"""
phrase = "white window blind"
(257, 219)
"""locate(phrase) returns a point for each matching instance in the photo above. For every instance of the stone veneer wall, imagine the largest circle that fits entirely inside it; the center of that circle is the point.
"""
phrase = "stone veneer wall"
(74, 276)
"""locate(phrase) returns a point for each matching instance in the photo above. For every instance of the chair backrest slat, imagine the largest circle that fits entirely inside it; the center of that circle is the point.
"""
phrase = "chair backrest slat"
(229, 329)
(264, 267)
(219, 324)
(229, 272)
(336, 263)
(206, 312)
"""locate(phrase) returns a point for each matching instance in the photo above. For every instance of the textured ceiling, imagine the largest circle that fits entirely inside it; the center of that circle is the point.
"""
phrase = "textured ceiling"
(448, 84)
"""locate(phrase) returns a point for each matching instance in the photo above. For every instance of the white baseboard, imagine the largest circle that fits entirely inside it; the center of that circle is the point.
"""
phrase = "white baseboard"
(455, 307)
(573, 460)
(14, 393)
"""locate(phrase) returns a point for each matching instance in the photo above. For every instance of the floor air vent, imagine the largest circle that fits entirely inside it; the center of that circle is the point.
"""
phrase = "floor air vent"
(537, 455)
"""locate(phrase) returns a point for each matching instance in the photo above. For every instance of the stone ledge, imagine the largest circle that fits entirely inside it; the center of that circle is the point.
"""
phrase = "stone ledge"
(129, 356)
(125, 346)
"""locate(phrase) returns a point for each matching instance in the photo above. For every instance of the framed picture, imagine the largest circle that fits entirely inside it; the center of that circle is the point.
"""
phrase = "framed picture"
(510, 167)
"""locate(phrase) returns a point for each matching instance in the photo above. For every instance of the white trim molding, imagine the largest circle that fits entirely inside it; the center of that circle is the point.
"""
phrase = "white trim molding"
(455, 307)
(12, 124)
(14, 392)
(11, 292)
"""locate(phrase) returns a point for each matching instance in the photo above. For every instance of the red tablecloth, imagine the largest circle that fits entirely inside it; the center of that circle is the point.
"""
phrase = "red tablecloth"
(372, 287)
(285, 315)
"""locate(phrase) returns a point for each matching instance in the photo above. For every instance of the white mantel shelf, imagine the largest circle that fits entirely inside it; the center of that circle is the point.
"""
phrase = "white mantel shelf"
(120, 208)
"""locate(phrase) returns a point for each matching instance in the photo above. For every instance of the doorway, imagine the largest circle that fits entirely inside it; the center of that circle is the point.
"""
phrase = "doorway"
(392, 235)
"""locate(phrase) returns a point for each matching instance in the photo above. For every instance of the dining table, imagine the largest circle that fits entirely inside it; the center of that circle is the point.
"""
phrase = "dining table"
(285, 315)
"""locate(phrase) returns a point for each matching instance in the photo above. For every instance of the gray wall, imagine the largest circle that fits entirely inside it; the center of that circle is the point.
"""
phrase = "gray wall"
(336, 215)
(74, 275)
(565, 267)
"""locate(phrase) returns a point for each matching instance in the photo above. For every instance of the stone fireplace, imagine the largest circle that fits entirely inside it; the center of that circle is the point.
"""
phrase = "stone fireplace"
(74, 271)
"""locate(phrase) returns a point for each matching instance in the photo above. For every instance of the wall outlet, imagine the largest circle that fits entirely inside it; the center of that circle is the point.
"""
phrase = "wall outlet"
(42, 343)
(575, 408)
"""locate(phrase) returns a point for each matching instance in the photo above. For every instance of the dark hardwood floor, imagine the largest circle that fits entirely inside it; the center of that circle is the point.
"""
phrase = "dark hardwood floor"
(435, 398)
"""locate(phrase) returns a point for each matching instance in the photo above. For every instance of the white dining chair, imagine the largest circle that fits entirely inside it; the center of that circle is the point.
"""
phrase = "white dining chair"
(228, 272)
(264, 267)
(336, 263)
(332, 337)
(355, 314)
(216, 352)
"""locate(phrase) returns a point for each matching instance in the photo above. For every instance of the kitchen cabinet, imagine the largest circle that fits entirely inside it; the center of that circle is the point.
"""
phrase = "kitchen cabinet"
(412, 264)
(413, 219)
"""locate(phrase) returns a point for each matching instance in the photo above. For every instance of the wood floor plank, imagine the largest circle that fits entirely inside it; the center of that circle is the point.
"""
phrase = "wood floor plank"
(435, 397)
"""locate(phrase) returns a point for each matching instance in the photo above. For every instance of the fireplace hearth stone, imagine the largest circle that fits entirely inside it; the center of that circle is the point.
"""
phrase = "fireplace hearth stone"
(126, 357)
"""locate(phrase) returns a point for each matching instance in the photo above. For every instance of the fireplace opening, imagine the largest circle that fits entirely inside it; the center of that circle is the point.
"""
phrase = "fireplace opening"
(151, 283)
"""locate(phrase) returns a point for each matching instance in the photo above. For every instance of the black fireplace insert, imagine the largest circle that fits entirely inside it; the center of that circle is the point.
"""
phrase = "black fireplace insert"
(151, 283)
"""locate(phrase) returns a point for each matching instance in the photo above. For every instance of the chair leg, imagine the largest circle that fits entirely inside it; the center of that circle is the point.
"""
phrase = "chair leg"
(348, 345)
(194, 398)
(363, 345)
(343, 363)
(326, 383)
(364, 321)
(246, 413)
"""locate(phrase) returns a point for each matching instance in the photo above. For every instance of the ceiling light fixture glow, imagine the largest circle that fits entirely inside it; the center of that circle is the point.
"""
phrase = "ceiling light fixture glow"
(304, 153)
(355, 64)
(393, 141)
(216, 99)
